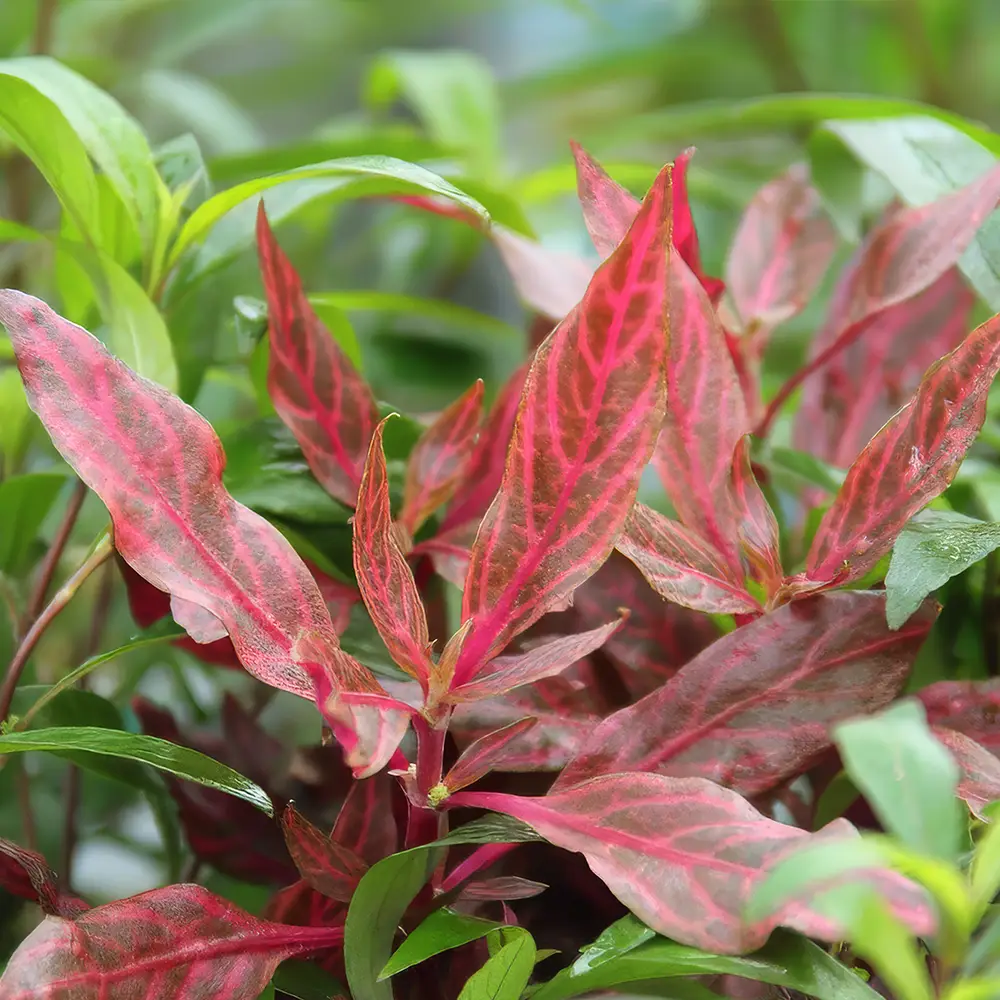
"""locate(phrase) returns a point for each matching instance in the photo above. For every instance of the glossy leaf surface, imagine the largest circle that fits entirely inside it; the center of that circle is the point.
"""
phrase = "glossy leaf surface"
(443, 930)
(757, 705)
(591, 405)
(505, 975)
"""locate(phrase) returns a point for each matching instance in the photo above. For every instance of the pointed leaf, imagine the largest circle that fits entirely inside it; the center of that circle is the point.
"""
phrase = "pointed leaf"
(505, 887)
(329, 867)
(366, 824)
(586, 425)
(683, 855)
(314, 387)
(781, 250)
(757, 705)
(757, 526)
(505, 975)
(969, 707)
(979, 780)
(478, 757)
(438, 460)
(442, 931)
(136, 947)
(26, 874)
(909, 462)
(680, 565)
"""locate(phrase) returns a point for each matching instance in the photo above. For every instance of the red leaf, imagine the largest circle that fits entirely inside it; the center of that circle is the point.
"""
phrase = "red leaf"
(681, 566)
(501, 887)
(26, 874)
(706, 417)
(684, 855)
(781, 250)
(860, 389)
(179, 937)
(910, 461)
(969, 707)
(384, 576)
(316, 390)
(449, 552)
(757, 526)
(505, 673)
(979, 784)
(329, 867)
(685, 235)
(366, 823)
(157, 465)
(439, 458)
(478, 758)
(757, 706)
(586, 426)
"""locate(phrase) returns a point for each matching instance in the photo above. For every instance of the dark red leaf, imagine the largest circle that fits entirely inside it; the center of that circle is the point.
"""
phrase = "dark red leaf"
(909, 462)
(26, 874)
(478, 758)
(157, 465)
(316, 390)
(330, 868)
(180, 938)
(681, 566)
(438, 460)
(684, 855)
(757, 526)
(781, 250)
(979, 784)
(384, 576)
(969, 707)
(484, 471)
(591, 406)
(501, 887)
(757, 706)
(366, 822)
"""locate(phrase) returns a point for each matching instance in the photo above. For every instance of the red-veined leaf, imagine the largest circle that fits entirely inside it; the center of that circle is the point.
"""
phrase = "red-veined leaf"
(301, 905)
(757, 526)
(864, 385)
(157, 465)
(449, 552)
(484, 471)
(910, 461)
(969, 707)
(684, 855)
(384, 576)
(505, 673)
(757, 705)
(478, 758)
(586, 425)
(366, 823)
(706, 417)
(330, 868)
(782, 248)
(438, 460)
(504, 887)
(979, 783)
(685, 234)
(26, 874)
(181, 937)
(315, 389)
(681, 566)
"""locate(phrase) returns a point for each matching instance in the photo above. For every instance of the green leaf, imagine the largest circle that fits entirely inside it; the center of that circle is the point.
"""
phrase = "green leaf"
(973, 989)
(924, 159)
(180, 761)
(505, 975)
(453, 94)
(443, 930)
(111, 136)
(353, 177)
(984, 875)
(25, 501)
(17, 422)
(933, 547)
(886, 945)
(786, 960)
(799, 468)
(906, 776)
(388, 888)
(839, 179)
(306, 981)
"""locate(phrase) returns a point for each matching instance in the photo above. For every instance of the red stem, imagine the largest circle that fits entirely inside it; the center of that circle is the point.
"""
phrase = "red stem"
(424, 824)
(480, 858)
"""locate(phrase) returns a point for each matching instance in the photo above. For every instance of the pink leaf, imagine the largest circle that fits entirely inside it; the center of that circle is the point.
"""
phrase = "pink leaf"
(757, 705)
(910, 461)
(438, 460)
(478, 758)
(757, 526)
(684, 855)
(384, 576)
(505, 673)
(969, 707)
(781, 250)
(587, 422)
(681, 566)
(330, 868)
(26, 874)
(312, 383)
(979, 784)
(181, 937)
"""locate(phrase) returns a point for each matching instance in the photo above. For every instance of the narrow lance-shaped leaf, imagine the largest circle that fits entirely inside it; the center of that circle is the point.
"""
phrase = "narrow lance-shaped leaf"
(684, 855)
(315, 389)
(438, 460)
(157, 465)
(979, 780)
(478, 757)
(756, 526)
(587, 422)
(366, 823)
(135, 947)
(26, 874)
(781, 250)
(384, 576)
(909, 462)
(329, 867)
(681, 566)
(757, 705)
